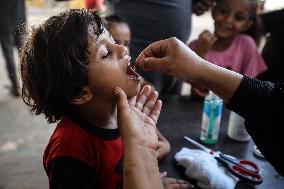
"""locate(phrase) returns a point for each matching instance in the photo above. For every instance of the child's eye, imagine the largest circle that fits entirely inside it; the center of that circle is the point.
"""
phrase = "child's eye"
(223, 10)
(127, 43)
(239, 18)
(108, 55)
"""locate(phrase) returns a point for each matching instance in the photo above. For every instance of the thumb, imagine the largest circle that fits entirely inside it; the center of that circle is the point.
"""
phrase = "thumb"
(121, 99)
(153, 64)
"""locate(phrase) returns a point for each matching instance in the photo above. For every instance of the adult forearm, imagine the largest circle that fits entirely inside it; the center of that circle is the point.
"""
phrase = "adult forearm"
(221, 81)
(173, 57)
(140, 168)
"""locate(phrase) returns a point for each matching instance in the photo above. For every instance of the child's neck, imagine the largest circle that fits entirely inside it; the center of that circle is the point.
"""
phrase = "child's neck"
(103, 114)
(222, 44)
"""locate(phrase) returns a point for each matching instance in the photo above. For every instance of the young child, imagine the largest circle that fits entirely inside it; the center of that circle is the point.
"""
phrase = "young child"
(70, 66)
(228, 46)
(120, 31)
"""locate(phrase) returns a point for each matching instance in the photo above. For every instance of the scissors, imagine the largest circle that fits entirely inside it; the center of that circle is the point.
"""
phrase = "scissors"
(243, 169)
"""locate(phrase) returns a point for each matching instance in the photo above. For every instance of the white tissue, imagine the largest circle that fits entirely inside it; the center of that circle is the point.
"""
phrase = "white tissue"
(204, 168)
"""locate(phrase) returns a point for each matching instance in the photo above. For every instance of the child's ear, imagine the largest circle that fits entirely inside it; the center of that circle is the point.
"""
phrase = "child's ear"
(85, 96)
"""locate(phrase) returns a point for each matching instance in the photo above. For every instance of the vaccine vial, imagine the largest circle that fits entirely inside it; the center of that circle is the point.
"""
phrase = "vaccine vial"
(211, 118)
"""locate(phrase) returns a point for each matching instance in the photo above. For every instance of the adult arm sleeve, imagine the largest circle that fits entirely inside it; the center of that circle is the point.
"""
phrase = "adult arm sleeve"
(261, 104)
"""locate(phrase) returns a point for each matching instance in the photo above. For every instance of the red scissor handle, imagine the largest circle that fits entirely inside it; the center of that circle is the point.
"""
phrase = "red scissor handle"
(249, 165)
(243, 169)
(245, 175)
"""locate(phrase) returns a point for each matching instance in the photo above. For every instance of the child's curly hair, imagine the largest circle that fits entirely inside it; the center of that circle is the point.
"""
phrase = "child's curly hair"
(54, 62)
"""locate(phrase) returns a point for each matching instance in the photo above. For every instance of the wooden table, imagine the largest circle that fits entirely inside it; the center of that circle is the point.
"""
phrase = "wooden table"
(181, 116)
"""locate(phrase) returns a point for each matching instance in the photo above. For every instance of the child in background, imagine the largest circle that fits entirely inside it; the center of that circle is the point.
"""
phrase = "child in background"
(69, 67)
(120, 31)
(228, 46)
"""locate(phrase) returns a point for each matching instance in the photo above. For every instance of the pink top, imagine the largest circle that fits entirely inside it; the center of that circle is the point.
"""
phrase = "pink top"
(242, 56)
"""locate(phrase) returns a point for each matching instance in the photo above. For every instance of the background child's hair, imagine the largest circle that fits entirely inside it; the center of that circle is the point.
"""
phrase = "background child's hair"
(114, 19)
(256, 29)
(54, 62)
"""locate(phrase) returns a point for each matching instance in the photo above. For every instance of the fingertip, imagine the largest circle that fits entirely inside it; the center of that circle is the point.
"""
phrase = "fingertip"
(137, 61)
(147, 88)
(119, 93)
(140, 56)
(158, 106)
(155, 93)
(140, 59)
(160, 102)
(142, 63)
(116, 91)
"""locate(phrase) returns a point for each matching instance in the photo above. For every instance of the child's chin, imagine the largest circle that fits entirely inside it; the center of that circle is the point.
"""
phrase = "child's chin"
(134, 92)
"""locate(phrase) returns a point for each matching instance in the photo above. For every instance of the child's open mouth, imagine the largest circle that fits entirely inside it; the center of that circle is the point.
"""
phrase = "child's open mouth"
(131, 74)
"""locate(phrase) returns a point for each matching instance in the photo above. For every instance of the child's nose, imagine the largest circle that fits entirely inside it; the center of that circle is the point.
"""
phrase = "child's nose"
(230, 19)
(122, 51)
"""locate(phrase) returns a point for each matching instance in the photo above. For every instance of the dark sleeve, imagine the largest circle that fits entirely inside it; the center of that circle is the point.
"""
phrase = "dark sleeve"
(261, 104)
(273, 21)
(70, 173)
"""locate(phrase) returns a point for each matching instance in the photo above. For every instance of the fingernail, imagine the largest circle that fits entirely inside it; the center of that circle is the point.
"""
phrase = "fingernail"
(142, 63)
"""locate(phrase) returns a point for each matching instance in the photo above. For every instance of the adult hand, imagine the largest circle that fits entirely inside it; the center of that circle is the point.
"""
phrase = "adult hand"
(170, 56)
(137, 117)
(204, 43)
(202, 6)
(137, 120)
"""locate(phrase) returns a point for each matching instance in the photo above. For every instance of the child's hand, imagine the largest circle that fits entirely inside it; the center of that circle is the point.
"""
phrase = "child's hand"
(198, 91)
(172, 183)
(164, 146)
(137, 117)
(163, 149)
(204, 43)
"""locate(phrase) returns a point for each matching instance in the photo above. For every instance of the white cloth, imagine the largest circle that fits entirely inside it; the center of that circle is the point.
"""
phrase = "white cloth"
(205, 169)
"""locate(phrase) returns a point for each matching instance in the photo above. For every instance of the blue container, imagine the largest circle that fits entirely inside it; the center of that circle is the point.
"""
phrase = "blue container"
(211, 118)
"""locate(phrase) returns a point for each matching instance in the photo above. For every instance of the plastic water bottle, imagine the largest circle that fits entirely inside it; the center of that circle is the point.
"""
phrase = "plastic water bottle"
(211, 118)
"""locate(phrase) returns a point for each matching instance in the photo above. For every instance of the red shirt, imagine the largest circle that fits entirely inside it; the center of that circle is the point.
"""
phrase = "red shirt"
(100, 150)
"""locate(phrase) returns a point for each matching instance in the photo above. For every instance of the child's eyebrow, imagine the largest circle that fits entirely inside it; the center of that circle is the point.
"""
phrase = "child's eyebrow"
(104, 41)
(100, 43)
